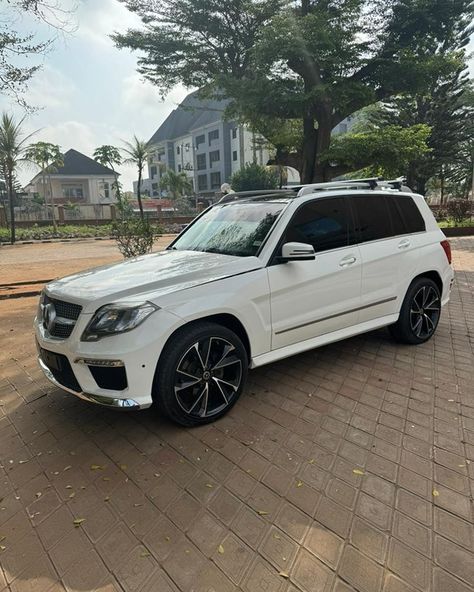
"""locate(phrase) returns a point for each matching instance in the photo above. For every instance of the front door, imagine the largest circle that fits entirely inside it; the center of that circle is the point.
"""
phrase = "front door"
(313, 298)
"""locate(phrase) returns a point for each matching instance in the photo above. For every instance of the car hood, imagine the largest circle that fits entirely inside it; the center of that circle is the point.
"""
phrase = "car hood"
(148, 277)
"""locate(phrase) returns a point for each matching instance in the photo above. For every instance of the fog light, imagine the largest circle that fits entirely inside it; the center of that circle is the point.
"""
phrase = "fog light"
(101, 363)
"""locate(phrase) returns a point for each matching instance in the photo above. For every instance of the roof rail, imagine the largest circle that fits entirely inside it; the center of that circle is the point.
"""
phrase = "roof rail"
(370, 183)
(257, 194)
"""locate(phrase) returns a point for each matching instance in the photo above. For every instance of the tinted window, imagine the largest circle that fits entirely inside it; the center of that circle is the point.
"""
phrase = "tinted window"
(398, 223)
(372, 217)
(322, 223)
(414, 221)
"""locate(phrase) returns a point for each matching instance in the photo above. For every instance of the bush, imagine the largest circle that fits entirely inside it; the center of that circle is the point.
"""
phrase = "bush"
(253, 176)
(134, 236)
(459, 209)
(47, 232)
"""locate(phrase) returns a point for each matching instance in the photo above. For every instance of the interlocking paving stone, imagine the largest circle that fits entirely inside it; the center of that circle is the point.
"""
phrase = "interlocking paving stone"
(348, 468)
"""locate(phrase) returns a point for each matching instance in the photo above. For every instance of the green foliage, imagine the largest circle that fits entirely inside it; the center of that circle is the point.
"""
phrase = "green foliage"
(134, 237)
(446, 106)
(12, 148)
(314, 62)
(137, 152)
(253, 176)
(177, 184)
(386, 151)
(67, 231)
(459, 209)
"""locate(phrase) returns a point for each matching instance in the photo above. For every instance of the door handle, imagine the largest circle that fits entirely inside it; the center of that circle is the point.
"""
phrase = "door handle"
(404, 244)
(347, 261)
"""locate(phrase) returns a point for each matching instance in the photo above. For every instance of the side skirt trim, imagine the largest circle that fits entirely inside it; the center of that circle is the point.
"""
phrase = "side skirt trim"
(340, 314)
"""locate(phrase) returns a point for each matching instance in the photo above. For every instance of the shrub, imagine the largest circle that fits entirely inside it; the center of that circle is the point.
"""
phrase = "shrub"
(134, 236)
(459, 209)
(253, 176)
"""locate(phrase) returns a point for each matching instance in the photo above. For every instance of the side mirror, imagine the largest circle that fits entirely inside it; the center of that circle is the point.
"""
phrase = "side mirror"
(297, 252)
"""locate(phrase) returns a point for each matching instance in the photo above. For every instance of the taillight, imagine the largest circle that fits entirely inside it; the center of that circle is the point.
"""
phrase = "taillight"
(447, 250)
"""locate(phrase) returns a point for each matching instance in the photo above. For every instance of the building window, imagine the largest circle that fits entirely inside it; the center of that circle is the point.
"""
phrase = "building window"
(214, 156)
(215, 180)
(201, 162)
(153, 171)
(234, 155)
(202, 182)
(200, 140)
(104, 189)
(234, 133)
(178, 150)
(214, 135)
(154, 186)
(179, 168)
(73, 191)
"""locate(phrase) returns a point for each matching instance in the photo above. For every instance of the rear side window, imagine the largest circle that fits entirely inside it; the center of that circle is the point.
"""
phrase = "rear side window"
(373, 220)
(412, 217)
(322, 223)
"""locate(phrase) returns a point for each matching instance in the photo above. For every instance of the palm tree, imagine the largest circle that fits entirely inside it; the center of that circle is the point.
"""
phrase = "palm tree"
(48, 158)
(138, 152)
(176, 183)
(12, 146)
(110, 157)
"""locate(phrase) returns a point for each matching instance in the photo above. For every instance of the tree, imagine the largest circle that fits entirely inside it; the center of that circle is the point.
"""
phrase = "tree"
(18, 49)
(387, 151)
(316, 61)
(176, 183)
(12, 144)
(137, 151)
(110, 157)
(253, 176)
(444, 107)
(48, 157)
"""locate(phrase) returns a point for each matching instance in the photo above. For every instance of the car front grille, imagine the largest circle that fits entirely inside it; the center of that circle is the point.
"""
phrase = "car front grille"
(62, 322)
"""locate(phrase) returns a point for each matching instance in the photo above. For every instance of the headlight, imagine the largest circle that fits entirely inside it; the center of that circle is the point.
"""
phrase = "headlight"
(117, 318)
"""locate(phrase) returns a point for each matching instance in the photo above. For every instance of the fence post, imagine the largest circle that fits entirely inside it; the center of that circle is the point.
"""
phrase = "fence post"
(3, 218)
(61, 214)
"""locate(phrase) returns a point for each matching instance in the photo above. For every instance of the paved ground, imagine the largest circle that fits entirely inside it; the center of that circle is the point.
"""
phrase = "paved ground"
(347, 468)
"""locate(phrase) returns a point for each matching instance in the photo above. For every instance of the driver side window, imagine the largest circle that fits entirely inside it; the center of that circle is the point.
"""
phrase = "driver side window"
(323, 223)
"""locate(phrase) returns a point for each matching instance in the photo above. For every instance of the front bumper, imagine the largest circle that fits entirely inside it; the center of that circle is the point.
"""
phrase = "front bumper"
(138, 351)
(100, 400)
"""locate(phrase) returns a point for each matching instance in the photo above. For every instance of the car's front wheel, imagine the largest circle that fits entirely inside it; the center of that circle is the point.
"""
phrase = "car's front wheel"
(201, 374)
(420, 313)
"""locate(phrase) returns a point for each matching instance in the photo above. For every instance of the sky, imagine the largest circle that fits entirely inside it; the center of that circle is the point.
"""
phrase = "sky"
(88, 92)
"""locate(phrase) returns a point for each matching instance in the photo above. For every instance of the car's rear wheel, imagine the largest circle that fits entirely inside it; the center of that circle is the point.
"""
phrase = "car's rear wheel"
(201, 374)
(420, 313)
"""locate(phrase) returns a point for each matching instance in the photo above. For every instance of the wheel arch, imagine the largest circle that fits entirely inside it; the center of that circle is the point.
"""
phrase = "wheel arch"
(432, 275)
(227, 320)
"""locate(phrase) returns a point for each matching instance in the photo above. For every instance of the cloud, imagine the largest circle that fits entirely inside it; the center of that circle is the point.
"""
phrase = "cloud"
(98, 20)
(50, 88)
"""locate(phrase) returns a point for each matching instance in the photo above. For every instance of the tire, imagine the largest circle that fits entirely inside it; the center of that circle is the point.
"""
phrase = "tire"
(201, 374)
(420, 313)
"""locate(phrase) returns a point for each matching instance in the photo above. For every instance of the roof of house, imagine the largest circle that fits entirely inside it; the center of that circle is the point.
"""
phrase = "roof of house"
(76, 163)
(191, 114)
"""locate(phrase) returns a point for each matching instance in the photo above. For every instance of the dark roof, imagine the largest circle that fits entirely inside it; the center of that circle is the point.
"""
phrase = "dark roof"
(76, 163)
(191, 114)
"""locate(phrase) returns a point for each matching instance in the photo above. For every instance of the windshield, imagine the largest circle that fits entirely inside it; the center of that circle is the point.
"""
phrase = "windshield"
(231, 229)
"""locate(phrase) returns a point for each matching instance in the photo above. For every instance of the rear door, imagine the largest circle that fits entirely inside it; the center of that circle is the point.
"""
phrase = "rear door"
(313, 298)
(388, 249)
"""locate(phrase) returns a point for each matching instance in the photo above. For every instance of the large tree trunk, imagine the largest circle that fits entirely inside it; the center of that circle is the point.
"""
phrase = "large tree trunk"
(12, 207)
(315, 143)
(310, 138)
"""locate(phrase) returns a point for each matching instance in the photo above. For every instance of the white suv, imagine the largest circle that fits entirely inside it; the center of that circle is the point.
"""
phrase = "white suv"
(254, 279)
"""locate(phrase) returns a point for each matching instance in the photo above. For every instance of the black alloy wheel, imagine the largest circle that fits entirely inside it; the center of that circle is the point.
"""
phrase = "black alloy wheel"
(201, 374)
